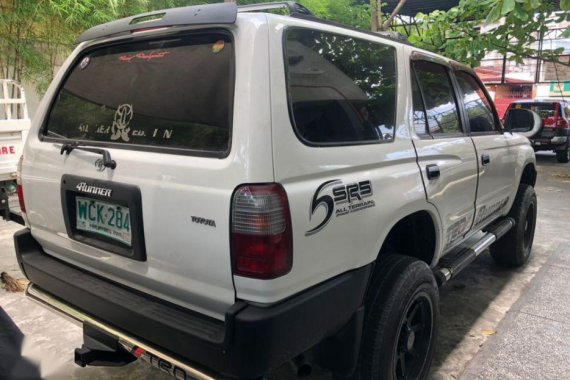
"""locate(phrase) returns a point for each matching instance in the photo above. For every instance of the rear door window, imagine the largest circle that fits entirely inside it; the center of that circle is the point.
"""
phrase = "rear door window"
(477, 106)
(342, 90)
(171, 93)
(438, 96)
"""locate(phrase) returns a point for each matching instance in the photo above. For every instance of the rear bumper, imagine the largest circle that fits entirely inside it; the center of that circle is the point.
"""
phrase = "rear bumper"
(551, 143)
(251, 341)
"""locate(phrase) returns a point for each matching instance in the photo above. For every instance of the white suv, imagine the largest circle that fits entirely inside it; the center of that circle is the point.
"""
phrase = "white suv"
(219, 191)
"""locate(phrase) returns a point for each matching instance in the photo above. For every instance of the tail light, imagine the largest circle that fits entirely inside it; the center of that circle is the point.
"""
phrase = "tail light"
(261, 236)
(561, 123)
(19, 189)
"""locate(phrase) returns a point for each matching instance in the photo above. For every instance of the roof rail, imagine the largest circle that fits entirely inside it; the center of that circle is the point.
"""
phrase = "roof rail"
(294, 8)
(224, 13)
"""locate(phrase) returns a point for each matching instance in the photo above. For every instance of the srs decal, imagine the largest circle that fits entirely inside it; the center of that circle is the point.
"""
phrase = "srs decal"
(339, 199)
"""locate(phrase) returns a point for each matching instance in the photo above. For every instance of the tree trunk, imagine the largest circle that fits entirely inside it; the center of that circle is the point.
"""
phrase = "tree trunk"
(376, 14)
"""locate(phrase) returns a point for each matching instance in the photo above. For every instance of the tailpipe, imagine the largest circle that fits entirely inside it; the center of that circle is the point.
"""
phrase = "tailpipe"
(301, 366)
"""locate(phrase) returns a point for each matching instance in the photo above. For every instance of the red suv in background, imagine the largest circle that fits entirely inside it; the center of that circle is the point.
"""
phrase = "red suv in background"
(555, 132)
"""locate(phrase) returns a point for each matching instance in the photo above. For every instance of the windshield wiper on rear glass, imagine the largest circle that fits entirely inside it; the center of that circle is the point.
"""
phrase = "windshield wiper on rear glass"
(67, 148)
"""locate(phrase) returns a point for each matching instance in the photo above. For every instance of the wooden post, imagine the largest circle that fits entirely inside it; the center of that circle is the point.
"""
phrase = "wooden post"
(397, 8)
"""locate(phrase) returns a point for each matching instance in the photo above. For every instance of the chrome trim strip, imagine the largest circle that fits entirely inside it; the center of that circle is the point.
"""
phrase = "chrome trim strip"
(126, 341)
(484, 243)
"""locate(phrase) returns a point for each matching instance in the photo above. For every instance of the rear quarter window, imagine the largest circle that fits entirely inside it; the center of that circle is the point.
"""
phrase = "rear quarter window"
(170, 93)
(341, 90)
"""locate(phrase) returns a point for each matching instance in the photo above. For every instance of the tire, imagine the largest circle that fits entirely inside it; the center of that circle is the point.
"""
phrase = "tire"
(402, 311)
(514, 249)
(562, 155)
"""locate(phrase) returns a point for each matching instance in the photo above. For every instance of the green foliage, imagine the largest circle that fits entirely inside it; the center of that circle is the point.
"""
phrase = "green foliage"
(35, 35)
(511, 27)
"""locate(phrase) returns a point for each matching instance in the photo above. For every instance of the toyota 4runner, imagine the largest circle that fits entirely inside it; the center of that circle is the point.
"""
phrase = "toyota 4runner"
(219, 191)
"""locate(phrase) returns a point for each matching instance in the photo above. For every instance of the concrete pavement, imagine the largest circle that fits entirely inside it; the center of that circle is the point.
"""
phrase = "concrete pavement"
(533, 341)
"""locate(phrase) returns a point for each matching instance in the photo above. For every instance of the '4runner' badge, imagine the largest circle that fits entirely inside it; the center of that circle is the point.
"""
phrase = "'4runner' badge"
(339, 200)
(123, 116)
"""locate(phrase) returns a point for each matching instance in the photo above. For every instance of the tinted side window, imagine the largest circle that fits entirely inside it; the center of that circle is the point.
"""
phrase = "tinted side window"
(341, 89)
(175, 93)
(477, 106)
(440, 104)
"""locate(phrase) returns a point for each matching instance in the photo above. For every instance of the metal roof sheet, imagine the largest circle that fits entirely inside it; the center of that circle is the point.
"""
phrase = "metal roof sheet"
(412, 7)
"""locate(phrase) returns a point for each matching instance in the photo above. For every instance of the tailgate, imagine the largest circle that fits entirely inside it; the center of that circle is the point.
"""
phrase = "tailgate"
(162, 108)
(13, 134)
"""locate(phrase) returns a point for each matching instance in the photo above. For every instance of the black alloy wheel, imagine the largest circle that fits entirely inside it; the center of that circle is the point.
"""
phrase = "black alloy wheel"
(416, 334)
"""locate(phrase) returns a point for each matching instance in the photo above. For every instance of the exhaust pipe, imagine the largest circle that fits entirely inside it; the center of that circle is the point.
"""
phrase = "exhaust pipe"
(301, 366)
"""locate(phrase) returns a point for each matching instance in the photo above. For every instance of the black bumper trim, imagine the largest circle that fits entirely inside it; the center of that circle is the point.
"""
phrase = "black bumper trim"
(252, 341)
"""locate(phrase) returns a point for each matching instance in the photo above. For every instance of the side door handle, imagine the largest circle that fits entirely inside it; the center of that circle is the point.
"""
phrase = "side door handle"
(485, 159)
(432, 171)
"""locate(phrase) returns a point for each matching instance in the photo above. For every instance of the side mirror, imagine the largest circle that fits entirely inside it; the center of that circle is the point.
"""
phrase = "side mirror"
(523, 121)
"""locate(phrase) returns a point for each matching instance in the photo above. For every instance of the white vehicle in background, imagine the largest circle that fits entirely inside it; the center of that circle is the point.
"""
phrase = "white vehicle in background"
(14, 127)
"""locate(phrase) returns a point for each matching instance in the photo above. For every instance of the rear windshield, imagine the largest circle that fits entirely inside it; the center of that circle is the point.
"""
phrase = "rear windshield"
(545, 110)
(171, 93)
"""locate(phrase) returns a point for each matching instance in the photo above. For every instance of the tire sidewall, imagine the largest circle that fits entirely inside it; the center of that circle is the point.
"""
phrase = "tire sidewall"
(386, 314)
(563, 156)
(528, 200)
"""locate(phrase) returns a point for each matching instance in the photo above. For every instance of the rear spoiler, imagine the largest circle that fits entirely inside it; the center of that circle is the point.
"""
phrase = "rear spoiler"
(223, 13)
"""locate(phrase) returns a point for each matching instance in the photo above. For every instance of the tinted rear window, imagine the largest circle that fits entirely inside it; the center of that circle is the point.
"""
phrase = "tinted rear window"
(173, 93)
(342, 90)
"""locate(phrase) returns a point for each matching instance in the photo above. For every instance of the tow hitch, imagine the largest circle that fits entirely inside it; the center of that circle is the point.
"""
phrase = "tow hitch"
(101, 349)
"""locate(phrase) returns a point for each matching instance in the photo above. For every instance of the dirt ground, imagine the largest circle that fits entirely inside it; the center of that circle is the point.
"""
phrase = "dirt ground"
(472, 305)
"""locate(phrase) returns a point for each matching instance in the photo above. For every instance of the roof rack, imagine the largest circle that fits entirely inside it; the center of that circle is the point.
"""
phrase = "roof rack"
(294, 8)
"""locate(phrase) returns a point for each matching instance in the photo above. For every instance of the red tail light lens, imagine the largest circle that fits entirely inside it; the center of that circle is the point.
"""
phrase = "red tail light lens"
(561, 123)
(261, 236)
(19, 189)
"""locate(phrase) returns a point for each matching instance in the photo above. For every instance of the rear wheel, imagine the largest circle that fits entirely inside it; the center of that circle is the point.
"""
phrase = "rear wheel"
(513, 249)
(563, 156)
(401, 321)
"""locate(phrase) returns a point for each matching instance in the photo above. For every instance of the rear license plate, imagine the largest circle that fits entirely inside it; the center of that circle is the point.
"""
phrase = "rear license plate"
(105, 219)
